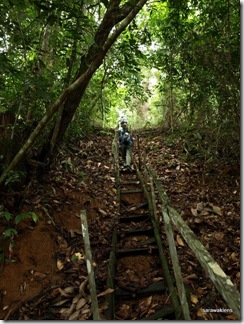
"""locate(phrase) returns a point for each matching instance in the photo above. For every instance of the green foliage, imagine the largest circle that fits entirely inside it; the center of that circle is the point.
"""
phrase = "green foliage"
(25, 216)
(14, 177)
(177, 64)
(10, 233)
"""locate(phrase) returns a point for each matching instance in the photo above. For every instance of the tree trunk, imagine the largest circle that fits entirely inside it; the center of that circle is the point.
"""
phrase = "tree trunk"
(97, 51)
(73, 94)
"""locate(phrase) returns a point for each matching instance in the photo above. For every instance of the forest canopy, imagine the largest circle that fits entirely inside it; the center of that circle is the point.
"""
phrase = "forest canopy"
(68, 66)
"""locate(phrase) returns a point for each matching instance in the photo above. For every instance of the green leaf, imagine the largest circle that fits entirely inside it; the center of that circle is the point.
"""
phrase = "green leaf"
(34, 217)
(25, 216)
(6, 215)
(10, 232)
(20, 217)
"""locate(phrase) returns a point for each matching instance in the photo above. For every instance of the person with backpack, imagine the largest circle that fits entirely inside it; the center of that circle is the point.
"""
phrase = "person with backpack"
(125, 142)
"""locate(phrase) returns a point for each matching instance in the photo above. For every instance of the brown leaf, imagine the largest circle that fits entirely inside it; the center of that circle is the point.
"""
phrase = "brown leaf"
(194, 299)
(204, 212)
(179, 240)
(233, 257)
(231, 317)
(61, 302)
(102, 212)
(60, 265)
(198, 220)
(200, 207)
(194, 212)
(80, 303)
(219, 236)
(74, 316)
(201, 313)
(158, 279)
(187, 280)
(39, 275)
(217, 210)
(106, 292)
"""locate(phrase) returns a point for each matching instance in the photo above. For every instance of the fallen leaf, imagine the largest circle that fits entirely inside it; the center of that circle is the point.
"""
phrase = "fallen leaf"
(198, 220)
(233, 257)
(201, 290)
(61, 302)
(194, 299)
(204, 212)
(179, 240)
(158, 279)
(102, 212)
(201, 313)
(194, 212)
(106, 292)
(200, 207)
(231, 317)
(219, 236)
(60, 265)
(69, 290)
(74, 316)
(79, 256)
(187, 280)
(217, 210)
(80, 303)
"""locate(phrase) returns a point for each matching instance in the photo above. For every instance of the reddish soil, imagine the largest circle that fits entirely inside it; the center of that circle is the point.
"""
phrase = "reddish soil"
(48, 258)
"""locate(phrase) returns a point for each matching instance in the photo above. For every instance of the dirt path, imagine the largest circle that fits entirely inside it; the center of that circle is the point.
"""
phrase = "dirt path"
(49, 269)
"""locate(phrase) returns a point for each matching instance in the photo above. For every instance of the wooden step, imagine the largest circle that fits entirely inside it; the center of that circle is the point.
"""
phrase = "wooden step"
(140, 231)
(154, 288)
(134, 218)
(137, 251)
(164, 312)
(130, 182)
(131, 191)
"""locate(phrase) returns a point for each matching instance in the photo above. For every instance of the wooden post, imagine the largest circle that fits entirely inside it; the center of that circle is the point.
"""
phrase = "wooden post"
(90, 270)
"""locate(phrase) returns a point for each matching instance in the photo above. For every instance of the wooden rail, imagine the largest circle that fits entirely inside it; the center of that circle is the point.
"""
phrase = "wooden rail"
(149, 182)
(220, 280)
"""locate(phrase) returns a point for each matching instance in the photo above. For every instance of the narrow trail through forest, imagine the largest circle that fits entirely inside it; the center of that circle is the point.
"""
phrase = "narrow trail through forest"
(48, 279)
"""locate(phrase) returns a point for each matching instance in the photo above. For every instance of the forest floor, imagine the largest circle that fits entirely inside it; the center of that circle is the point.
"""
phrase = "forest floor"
(48, 267)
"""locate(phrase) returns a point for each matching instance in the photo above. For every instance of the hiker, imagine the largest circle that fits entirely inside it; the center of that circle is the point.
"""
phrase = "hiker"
(125, 142)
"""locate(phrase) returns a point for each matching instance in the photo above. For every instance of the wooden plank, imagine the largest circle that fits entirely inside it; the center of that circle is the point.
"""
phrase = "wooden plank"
(137, 251)
(161, 313)
(135, 218)
(131, 191)
(176, 268)
(109, 312)
(153, 288)
(90, 270)
(140, 231)
(130, 182)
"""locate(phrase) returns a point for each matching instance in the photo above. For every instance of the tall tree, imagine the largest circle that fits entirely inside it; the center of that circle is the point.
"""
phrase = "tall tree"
(115, 15)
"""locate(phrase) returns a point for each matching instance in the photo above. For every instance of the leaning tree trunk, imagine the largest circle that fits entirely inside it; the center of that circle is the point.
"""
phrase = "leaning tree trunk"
(113, 16)
(73, 94)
